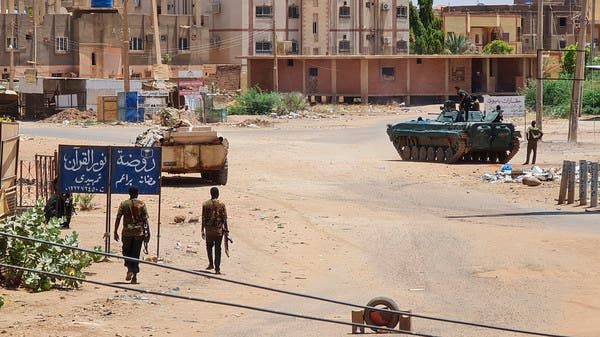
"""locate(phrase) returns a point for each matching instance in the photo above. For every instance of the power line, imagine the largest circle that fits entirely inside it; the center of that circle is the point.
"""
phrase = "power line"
(286, 292)
(229, 304)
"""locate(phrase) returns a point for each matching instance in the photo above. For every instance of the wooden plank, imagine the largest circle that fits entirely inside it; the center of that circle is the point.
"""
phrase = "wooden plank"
(583, 181)
(594, 185)
(571, 183)
(562, 194)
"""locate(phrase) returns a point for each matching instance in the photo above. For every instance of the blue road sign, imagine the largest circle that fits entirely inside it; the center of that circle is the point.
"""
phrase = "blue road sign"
(83, 169)
(139, 166)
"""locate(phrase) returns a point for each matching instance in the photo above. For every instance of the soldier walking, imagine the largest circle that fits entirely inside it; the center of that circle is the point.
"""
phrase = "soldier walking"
(214, 226)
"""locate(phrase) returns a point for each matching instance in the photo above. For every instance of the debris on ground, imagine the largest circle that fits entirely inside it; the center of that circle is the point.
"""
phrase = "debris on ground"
(152, 136)
(506, 174)
(173, 118)
(255, 123)
(71, 115)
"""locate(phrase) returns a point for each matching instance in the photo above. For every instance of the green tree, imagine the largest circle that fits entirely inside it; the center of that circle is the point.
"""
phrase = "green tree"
(457, 44)
(569, 57)
(426, 34)
(497, 47)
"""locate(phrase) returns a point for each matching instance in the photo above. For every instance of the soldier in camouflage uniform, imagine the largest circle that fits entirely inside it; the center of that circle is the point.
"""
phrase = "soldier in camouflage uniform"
(214, 225)
(135, 213)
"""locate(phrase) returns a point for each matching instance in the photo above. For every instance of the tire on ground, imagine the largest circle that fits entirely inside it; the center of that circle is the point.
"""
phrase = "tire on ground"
(378, 318)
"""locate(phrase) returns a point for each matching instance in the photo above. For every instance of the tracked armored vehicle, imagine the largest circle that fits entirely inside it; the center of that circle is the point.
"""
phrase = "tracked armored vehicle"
(450, 138)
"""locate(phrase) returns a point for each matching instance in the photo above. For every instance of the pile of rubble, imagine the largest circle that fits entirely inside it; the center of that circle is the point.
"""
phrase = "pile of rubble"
(152, 136)
(71, 115)
(533, 176)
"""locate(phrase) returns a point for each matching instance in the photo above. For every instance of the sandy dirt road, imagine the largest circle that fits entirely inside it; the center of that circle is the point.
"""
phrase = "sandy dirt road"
(326, 207)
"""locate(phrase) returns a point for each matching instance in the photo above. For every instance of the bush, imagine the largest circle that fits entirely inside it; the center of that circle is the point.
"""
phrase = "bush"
(1, 301)
(254, 102)
(557, 97)
(497, 47)
(40, 256)
(84, 201)
(292, 102)
(569, 58)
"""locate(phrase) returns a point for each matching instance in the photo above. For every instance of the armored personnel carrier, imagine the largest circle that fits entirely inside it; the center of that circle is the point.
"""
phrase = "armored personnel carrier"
(450, 138)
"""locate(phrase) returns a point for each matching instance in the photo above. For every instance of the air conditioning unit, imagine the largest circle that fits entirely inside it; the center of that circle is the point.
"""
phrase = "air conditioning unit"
(215, 7)
(386, 6)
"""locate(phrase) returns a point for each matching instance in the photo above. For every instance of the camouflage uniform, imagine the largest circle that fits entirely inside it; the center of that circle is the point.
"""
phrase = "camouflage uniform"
(534, 134)
(134, 213)
(214, 222)
(59, 205)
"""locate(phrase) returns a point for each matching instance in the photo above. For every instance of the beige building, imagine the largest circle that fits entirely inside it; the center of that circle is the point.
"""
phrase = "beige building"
(308, 27)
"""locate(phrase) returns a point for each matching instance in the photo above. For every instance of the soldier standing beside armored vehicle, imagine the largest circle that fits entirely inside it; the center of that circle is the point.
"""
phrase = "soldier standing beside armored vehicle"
(533, 135)
(214, 225)
(465, 102)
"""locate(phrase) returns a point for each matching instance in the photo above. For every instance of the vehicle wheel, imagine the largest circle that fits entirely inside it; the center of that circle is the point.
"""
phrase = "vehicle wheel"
(430, 154)
(422, 153)
(414, 152)
(379, 318)
(449, 154)
(439, 154)
(405, 153)
(221, 176)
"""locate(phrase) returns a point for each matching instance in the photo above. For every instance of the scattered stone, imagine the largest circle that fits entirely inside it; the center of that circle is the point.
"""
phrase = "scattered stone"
(179, 219)
(531, 181)
(71, 115)
(194, 219)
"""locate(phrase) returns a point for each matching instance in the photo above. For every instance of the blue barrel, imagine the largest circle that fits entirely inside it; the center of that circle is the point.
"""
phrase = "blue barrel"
(102, 3)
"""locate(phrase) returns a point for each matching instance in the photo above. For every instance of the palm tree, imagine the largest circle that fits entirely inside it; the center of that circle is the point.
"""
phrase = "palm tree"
(457, 44)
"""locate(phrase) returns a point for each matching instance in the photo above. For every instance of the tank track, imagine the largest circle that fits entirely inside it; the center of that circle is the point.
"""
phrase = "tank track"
(441, 154)
(457, 152)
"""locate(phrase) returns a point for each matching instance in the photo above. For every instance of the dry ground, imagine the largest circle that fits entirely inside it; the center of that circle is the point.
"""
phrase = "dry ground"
(325, 206)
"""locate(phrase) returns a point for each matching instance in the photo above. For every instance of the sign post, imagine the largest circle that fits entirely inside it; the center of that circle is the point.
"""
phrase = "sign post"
(108, 170)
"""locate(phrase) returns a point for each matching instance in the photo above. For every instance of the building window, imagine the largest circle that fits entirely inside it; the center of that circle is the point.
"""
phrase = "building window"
(314, 72)
(263, 11)
(344, 46)
(290, 63)
(136, 43)
(12, 42)
(562, 25)
(293, 12)
(477, 38)
(344, 10)
(93, 59)
(62, 44)
(295, 47)
(506, 37)
(263, 47)
(183, 44)
(315, 27)
(401, 12)
(388, 73)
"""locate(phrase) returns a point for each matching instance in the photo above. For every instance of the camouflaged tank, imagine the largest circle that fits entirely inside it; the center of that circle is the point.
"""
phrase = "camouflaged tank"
(450, 139)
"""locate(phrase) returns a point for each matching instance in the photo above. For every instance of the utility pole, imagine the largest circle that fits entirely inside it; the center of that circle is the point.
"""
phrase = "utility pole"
(11, 77)
(156, 33)
(275, 60)
(35, 14)
(592, 31)
(125, 48)
(579, 75)
(539, 98)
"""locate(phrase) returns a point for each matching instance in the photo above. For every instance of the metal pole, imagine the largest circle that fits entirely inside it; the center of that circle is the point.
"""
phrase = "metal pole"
(593, 31)
(275, 60)
(578, 76)
(156, 33)
(539, 100)
(11, 77)
(125, 48)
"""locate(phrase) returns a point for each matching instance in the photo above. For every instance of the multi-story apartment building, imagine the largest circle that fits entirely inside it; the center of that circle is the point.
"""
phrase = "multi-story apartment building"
(307, 27)
(516, 24)
(70, 38)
